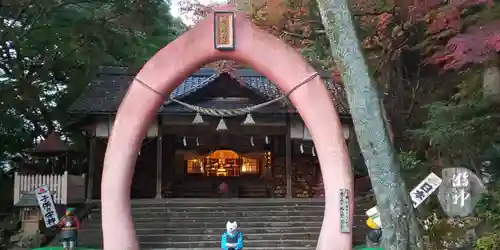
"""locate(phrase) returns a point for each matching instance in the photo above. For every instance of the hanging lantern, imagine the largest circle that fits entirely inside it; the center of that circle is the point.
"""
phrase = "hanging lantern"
(222, 125)
(198, 119)
(249, 120)
(301, 148)
(267, 140)
(197, 142)
(313, 152)
(184, 141)
(251, 141)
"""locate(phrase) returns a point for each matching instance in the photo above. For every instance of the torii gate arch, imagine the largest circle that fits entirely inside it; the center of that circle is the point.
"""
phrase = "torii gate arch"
(174, 63)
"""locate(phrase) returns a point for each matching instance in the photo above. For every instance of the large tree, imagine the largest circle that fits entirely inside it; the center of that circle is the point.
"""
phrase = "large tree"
(50, 50)
(401, 228)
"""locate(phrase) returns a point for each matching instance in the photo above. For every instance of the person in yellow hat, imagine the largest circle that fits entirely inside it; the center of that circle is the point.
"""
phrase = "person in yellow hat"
(374, 223)
(371, 224)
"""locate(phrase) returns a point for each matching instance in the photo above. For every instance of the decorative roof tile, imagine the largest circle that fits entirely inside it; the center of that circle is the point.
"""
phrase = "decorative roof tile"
(104, 94)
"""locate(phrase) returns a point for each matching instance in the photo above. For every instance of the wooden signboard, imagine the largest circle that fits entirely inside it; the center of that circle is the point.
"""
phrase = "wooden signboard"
(224, 30)
(345, 225)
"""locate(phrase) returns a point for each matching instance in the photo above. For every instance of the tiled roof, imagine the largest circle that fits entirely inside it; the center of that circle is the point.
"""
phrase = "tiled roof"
(105, 93)
(51, 144)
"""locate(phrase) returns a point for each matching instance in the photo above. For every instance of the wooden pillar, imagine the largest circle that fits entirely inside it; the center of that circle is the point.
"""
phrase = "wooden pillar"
(159, 163)
(288, 159)
(91, 161)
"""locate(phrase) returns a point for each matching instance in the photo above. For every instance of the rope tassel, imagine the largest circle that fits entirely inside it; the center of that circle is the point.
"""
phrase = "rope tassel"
(198, 119)
(222, 125)
(249, 120)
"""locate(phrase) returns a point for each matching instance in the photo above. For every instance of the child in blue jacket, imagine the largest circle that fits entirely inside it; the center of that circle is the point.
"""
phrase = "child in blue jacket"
(231, 239)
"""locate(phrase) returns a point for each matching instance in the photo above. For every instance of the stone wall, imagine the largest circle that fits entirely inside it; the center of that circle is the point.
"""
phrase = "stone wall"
(279, 177)
(303, 180)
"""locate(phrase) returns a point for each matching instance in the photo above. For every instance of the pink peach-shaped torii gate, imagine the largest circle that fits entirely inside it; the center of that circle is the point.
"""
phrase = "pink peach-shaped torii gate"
(174, 63)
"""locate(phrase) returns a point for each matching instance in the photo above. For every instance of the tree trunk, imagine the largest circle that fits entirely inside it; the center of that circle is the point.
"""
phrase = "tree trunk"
(387, 123)
(400, 226)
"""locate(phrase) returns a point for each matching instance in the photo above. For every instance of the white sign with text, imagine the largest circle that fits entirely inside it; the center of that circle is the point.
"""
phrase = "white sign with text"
(47, 206)
(424, 189)
(418, 195)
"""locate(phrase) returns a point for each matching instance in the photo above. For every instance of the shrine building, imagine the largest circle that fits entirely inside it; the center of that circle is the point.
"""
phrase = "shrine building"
(265, 153)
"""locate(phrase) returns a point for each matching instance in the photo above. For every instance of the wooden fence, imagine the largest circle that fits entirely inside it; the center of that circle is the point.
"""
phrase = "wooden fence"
(58, 184)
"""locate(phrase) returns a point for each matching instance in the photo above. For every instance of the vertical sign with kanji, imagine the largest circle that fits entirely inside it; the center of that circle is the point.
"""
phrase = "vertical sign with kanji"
(224, 30)
(424, 189)
(47, 206)
(345, 225)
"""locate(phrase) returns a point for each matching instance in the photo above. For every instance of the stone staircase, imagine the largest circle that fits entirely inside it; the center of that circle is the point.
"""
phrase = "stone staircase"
(198, 189)
(208, 188)
(254, 190)
(197, 224)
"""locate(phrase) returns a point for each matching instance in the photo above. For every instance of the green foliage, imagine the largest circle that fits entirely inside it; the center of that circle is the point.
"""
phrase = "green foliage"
(409, 161)
(488, 209)
(412, 168)
(51, 48)
(490, 241)
(462, 131)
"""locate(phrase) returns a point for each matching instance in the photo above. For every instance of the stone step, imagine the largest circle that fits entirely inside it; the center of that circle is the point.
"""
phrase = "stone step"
(220, 224)
(234, 202)
(246, 248)
(251, 188)
(283, 218)
(96, 237)
(264, 244)
(193, 195)
(220, 214)
(253, 195)
(245, 230)
(214, 209)
(257, 244)
(155, 212)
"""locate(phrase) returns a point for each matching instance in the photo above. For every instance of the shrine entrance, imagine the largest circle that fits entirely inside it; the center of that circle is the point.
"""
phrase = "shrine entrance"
(225, 163)
(226, 34)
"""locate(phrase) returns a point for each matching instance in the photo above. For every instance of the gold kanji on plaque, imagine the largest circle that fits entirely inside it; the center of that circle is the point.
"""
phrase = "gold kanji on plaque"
(224, 30)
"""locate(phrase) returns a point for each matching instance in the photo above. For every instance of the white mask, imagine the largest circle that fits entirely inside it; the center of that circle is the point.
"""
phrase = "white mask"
(231, 227)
